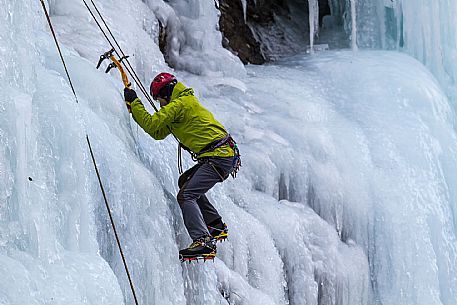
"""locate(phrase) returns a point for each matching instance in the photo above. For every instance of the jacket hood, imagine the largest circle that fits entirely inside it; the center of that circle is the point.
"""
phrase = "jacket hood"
(181, 90)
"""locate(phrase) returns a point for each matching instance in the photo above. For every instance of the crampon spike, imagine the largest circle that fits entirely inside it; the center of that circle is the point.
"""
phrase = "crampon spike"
(197, 258)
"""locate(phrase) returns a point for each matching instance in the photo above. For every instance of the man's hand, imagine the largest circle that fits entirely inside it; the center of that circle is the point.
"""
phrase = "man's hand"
(129, 96)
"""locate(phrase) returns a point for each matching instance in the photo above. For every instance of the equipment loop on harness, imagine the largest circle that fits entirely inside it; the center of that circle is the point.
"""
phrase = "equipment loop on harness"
(227, 140)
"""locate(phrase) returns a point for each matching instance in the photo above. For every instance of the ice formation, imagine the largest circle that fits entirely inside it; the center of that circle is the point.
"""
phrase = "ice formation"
(424, 29)
(313, 12)
(347, 194)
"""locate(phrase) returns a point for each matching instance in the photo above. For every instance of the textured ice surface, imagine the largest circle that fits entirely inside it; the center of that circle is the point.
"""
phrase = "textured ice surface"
(346, 196)
(424, 29)
(195, 43)
(377, 149)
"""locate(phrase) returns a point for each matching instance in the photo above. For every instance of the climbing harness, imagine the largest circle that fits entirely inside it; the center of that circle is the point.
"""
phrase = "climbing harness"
(227, 140)
(92, 157)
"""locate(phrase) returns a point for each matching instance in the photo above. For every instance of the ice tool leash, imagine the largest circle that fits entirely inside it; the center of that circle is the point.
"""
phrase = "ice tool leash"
(92, 157)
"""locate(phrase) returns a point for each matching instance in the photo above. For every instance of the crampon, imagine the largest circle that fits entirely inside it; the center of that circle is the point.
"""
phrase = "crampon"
(196, 258)
(202, 248)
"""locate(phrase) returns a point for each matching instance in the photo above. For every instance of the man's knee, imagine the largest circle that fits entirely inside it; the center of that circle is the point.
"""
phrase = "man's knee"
(185, 195)
(180, 197)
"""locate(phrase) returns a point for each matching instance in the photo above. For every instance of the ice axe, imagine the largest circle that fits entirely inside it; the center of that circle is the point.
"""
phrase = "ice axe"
(115, 63)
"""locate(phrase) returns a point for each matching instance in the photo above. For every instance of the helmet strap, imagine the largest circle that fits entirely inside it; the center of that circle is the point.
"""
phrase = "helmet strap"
(167, 91)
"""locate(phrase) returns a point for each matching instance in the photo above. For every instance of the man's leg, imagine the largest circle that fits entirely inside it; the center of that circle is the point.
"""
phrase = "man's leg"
(209, 213)
(201, 178)
(223, 167)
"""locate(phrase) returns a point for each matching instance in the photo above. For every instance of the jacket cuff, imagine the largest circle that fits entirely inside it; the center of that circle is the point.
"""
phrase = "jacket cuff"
(136, 100)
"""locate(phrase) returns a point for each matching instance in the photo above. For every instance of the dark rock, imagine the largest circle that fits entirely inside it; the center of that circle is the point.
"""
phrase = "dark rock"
(261, 38)
(238, 37)
(163, 40)
(324, 10)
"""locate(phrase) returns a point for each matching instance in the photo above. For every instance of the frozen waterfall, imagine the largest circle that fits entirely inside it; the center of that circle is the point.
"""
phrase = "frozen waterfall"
(423, 29)
(347, 194)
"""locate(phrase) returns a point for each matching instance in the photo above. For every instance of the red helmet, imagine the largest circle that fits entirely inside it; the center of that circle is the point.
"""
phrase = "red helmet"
(160, 81)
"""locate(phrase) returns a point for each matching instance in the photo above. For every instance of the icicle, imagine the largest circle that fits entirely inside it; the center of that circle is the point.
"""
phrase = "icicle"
(316, 18)
(244, 4)
(354, 25)
(313, 22)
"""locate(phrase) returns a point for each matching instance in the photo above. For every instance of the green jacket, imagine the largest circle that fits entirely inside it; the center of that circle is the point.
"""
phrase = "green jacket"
(190, 122)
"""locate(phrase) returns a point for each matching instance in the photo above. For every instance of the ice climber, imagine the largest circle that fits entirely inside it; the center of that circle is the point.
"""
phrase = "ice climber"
(210, 145)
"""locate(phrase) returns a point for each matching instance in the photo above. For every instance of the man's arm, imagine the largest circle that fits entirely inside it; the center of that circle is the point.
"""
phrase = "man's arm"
(157, 125)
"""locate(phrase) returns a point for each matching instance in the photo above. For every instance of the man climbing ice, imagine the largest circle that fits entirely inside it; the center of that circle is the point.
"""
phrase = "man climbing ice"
(209, 144)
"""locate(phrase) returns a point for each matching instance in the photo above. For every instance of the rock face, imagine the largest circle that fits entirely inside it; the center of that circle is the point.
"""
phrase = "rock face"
(238, 36)
(324, 9)
(269, 29)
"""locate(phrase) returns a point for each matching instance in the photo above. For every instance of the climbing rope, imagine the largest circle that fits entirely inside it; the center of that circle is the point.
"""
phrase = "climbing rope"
(92, 156)
(118, 50)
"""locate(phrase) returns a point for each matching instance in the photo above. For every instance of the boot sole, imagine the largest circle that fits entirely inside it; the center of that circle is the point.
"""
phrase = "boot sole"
(204, 257)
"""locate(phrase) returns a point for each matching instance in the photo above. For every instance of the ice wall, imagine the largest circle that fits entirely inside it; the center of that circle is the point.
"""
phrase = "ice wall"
(378, 163)
(346, 194)
(56, 243)
(48, 238)
(423, 29)
(194, 42)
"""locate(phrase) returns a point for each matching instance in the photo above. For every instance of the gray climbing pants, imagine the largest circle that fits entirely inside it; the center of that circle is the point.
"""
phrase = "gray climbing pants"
(196, 209)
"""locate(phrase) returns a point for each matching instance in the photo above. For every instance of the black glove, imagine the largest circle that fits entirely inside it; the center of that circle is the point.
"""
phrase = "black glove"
(129, 95)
